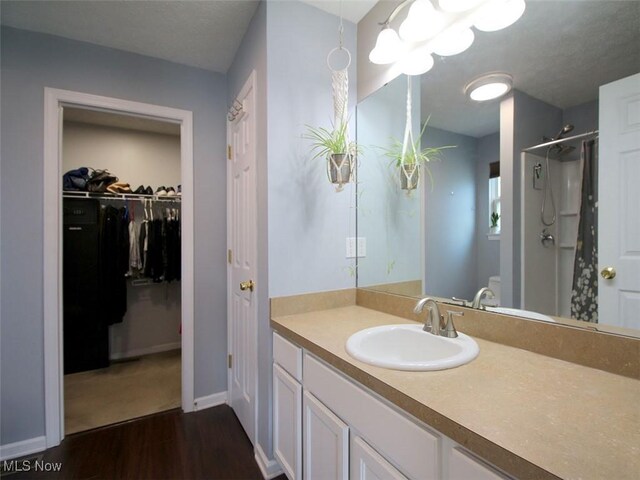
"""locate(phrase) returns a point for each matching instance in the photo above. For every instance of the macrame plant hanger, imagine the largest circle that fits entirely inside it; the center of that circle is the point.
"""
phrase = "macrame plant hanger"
(340, 167)
(409, 172)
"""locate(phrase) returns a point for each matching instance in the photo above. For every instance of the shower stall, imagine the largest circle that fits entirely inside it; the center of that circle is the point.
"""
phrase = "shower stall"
(551, 188)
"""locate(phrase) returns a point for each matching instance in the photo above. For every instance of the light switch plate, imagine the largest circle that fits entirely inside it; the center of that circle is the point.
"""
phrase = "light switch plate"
(362, 247)
(351, 247)
(360, 242)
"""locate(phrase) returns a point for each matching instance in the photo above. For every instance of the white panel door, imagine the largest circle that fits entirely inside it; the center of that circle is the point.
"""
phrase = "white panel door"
(287, 423)
(619, 202)
(464, 467)
(242, 241)
(326, 442)
(367, 464)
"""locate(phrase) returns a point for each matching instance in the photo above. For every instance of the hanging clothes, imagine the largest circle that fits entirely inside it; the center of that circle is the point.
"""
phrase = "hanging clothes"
(114, 260)
(584, 294)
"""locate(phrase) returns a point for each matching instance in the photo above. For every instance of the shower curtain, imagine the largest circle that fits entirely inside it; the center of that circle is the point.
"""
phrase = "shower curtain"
(584, 294)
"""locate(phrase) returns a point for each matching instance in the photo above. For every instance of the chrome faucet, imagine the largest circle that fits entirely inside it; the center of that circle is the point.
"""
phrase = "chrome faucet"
(429, 324)
(484, 292)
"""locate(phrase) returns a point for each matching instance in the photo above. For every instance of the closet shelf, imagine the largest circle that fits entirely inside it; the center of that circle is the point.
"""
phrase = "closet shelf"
(119, 196)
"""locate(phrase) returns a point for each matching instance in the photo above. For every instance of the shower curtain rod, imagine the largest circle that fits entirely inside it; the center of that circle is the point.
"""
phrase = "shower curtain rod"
(560, 140)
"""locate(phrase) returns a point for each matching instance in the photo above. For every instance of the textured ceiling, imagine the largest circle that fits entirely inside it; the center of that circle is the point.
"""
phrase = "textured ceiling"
(352, 10)
(204, 34)
(559, 52)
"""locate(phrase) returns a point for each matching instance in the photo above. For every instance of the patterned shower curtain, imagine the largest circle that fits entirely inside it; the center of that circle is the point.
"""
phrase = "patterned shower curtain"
(584, 294)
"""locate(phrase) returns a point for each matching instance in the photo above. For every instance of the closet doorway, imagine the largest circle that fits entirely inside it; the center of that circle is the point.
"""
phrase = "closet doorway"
(118, 261)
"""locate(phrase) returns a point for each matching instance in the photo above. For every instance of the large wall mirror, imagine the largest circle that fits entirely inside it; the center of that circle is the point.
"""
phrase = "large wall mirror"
(546, 198)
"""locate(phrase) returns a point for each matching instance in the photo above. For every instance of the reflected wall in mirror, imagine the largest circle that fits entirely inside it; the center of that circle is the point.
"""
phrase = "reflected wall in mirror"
(564, 57)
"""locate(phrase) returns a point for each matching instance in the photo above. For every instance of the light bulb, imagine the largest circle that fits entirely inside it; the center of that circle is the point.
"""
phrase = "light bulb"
(388, 47)
(422, 22)
(452, 42)
(499, 14)
(457, 5)
(416, 62)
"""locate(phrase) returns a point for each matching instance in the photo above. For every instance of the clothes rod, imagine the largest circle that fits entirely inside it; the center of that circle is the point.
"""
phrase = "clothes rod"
(120, 196)
(560, 140)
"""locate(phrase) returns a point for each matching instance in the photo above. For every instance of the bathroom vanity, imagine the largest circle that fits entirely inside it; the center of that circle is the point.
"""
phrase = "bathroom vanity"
(509, 413)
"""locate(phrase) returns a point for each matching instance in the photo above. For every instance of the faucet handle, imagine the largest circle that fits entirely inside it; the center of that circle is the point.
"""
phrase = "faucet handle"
(461, 301)
(449, 330)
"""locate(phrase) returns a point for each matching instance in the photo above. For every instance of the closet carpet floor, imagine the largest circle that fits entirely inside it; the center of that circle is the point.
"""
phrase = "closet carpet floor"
(123, 391)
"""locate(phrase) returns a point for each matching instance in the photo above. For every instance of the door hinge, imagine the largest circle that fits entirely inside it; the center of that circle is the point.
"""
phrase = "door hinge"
(229, 256)
(229, 152)
(230, 360)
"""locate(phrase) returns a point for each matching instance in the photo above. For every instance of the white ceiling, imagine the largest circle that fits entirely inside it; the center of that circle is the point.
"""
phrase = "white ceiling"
(119, 120)
(560, 52)
(352, 10)
(204, 34)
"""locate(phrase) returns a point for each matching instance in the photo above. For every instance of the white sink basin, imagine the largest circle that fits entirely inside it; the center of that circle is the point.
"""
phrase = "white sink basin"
(521, 313)
(408, 347)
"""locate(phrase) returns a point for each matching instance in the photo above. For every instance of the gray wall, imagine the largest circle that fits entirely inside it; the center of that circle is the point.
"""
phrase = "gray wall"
(488, 251)
(524, 120)
(31, 61)
(450, 228)
(584, 118)
(252, 55)
(308, 220)
(388, 217)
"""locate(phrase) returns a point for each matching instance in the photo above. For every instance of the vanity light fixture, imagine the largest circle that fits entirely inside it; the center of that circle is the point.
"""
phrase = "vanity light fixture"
(489, 86)
(445, 31)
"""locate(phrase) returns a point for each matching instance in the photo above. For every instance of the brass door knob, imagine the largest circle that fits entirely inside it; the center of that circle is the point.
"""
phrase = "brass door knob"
(608, 273)
(248, 285)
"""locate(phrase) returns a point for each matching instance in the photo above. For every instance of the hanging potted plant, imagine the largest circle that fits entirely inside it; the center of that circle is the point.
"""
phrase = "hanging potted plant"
(408, 158)
(340, 153)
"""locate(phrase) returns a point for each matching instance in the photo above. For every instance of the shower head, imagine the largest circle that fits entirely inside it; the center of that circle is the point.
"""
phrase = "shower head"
(566, 129)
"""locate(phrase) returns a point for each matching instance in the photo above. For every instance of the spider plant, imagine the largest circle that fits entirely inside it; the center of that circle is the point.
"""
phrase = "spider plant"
(414, 154)
(327, 142)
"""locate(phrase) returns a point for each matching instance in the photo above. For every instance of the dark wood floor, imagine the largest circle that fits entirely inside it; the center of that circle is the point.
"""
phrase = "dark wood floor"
(210, 444)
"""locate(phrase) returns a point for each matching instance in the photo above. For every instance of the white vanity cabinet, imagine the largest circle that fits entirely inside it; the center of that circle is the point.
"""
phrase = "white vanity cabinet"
(326, 442)
(367, 464)
(326, 426)
(287, 406)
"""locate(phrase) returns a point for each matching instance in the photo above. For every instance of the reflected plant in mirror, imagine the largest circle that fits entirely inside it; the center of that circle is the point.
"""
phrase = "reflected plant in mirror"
(508, 156)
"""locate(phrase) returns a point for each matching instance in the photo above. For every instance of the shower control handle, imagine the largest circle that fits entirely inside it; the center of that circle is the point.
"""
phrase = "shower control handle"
(608, 273)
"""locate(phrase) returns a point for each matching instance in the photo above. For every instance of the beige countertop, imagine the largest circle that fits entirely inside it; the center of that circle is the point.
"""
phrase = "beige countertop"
(531, 415)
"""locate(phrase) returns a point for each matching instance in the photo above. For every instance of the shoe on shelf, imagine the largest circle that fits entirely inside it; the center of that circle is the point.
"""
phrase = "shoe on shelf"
(148, 190)
(179, 190)
(161, 192)
(171, 192)
(140, 190)
(119, 187)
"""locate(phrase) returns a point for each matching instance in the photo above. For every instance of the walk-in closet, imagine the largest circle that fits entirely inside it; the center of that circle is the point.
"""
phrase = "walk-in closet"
(121, 262)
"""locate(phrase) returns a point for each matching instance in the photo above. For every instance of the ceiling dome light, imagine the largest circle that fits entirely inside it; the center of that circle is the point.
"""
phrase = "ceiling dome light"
(416, 62)
(499, 14)
(457, 5)
(452, 42)
(489, 87)
(388, 47)
(422, 22)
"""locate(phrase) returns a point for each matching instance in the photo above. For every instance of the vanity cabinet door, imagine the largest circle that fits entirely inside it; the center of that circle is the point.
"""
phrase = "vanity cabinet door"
(287, 423)
(367, 464)
(463, 467)
(326, 442)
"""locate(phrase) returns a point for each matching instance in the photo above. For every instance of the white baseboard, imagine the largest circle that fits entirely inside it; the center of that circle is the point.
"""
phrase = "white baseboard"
(269, 468)
(25, 447)
(138, 352)
(209, 401)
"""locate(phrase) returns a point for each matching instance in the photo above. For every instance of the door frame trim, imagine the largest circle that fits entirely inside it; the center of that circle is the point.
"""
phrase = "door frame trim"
(250, 84)
(52, 252)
